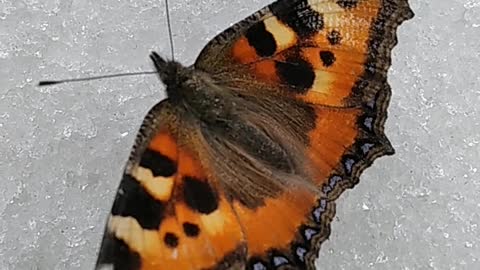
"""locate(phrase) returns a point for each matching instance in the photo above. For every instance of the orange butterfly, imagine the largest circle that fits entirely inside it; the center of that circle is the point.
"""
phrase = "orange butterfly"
(240, 166)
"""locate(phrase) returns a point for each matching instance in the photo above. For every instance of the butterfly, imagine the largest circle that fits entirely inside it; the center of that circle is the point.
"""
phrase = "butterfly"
(240, 166)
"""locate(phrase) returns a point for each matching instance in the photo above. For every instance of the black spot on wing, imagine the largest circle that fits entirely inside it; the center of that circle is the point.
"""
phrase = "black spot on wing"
(346, 4)
(262, 40)
(327, 57)
(190, 229)
(133, 200)
(334, 37)
(116, 253)
(171, 240)
(299, 16)
(159, 164)
(199, 195)
(297, 73)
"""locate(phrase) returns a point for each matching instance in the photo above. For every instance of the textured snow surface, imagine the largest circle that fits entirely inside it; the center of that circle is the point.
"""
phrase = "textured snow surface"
(63, 148)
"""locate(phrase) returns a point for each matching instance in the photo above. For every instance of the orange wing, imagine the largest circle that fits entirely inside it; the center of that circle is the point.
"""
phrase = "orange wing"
(166, 214)
(326, 52)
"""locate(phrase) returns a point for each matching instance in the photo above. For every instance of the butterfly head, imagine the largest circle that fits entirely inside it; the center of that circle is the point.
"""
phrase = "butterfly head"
(193, 90)
(175, 76)
(168, 71)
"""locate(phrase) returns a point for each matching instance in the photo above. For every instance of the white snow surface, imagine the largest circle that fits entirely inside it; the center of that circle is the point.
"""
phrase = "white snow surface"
(63, 148)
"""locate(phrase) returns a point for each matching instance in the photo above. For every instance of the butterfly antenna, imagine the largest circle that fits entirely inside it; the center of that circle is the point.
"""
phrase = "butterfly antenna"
(45, 83)
(169, 25)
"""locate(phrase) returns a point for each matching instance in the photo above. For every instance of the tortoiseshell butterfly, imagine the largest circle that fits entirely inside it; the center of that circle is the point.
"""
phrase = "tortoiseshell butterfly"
(240, 167)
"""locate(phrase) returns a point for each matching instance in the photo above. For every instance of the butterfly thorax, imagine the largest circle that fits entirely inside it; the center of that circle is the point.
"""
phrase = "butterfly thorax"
(194, 92)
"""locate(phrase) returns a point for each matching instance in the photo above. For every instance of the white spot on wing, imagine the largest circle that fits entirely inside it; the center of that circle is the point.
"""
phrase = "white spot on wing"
(322, 82)
(284, 35)
(175, 254)
(159, 187)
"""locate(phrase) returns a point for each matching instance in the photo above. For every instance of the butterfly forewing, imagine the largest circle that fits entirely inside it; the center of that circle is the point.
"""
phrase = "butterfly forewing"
(167, 214)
